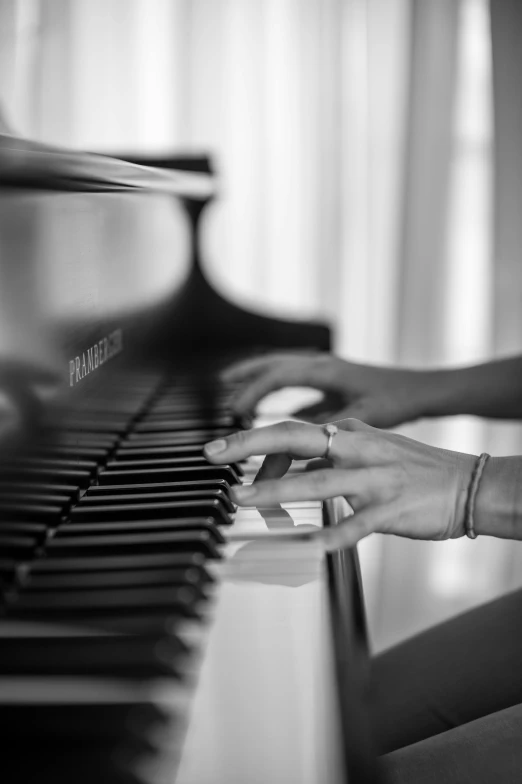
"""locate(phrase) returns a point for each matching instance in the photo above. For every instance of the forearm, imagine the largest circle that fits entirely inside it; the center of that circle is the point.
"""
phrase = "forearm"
(493, 389)
(498, 508)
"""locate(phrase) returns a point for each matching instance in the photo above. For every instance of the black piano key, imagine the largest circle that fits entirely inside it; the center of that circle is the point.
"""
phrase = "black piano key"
(18, 545)
(122, 406)
(150, 623)
(105, 513)
(182, 423)
(157, 487)
(184, 600)
(100, 718)
(172, 560)
(80, 439)
(61, 501)
(72, 452)
(80, 479)
(91, 581)
(143, 527)
(79, 763)
(19, 510)
(94, 424)
(103, 409)
(49, 491)
(19, 528)
(165, 462)
(191, 416)
(199, 540)
(197, 416)
(200, 436)
(51, 463)
(131, 452)
(8, 568)
(187, 409)
(159, 462)
(106, 655)
(193, 474)
(156, 498)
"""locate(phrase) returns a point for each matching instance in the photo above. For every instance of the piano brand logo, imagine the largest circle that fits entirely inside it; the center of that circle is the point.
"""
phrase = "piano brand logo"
(96, 355)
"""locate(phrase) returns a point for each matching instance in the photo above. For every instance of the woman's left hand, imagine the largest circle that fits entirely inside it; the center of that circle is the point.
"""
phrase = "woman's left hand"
(394, 484)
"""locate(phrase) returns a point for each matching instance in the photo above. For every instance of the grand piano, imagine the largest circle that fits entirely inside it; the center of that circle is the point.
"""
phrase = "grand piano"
(150, 631)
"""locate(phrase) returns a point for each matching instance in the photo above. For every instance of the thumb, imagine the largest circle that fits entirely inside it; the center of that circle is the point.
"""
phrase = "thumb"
(348, 531)
(274, 467)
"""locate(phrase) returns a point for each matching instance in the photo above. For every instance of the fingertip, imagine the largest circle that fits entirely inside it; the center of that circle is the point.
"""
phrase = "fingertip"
(228, 375)
(214, 449)
(242, 494)
(335, 539)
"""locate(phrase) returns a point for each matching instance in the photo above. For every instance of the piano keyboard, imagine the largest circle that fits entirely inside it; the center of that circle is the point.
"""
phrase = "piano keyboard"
(107, 528)
(150, 632)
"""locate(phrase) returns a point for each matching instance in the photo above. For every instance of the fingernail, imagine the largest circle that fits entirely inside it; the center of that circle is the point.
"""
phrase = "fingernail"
(215, 447)
(244, 492)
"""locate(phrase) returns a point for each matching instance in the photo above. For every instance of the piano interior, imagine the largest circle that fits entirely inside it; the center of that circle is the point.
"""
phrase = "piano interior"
(150, 631)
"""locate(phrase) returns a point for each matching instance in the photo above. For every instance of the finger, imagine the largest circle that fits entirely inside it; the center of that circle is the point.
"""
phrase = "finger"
(281, 371)
(274, 467)
(318, 464)
(295, 439)
(257, 388)
(349, 530)
(298, 440)
(316, 486)
(323, 410)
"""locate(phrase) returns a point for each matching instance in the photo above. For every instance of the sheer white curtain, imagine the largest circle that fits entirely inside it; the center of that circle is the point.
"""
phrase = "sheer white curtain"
(354, 143)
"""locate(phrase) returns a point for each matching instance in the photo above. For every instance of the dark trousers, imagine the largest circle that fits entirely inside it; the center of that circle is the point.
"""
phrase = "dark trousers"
(447, 704)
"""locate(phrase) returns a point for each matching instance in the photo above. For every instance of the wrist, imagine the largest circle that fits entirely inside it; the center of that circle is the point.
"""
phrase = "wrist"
(437, 393)
(498, 508)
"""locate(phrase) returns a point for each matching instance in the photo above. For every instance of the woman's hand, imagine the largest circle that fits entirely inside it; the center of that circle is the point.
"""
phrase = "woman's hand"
(382, 397)
(394, 484)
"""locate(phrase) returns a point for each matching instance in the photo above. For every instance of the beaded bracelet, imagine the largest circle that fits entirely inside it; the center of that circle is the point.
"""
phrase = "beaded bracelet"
(472, 495)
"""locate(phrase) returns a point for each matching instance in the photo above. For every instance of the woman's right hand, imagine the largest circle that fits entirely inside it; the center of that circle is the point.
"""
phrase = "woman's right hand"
(394, 484)
(380, 396)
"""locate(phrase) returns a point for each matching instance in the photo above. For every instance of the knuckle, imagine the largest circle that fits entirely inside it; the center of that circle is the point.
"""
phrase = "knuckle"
(365, 525)
(289, 428)
(394, 480)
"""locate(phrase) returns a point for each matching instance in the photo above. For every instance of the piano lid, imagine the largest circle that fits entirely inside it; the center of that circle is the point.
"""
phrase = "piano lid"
(29, 164)
(100, 265)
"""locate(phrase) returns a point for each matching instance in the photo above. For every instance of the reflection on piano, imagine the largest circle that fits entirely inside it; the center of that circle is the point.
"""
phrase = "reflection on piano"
(150, 632)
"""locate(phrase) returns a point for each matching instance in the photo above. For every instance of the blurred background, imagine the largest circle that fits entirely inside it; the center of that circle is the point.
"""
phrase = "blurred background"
(370, 169)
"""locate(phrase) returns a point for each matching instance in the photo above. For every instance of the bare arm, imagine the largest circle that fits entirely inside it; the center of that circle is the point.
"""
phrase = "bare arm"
(492, 389)
(382, 396)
